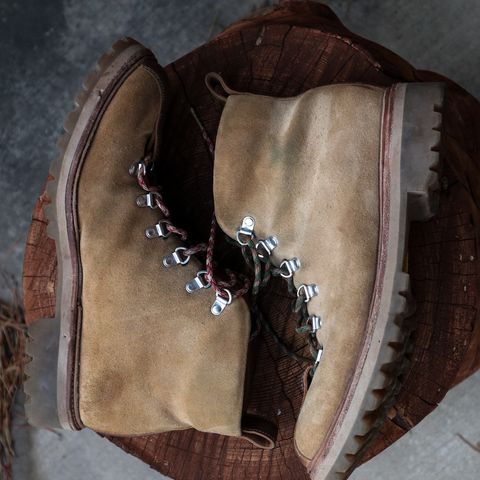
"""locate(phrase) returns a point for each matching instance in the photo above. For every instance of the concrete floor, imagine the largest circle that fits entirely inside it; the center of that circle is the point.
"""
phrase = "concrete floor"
(47, 47)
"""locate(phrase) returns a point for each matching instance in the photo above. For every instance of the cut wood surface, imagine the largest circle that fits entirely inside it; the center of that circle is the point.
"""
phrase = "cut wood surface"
(284, 52)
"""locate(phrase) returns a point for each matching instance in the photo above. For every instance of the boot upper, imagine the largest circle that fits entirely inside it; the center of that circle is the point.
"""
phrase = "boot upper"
(307, 169)
(152, 357)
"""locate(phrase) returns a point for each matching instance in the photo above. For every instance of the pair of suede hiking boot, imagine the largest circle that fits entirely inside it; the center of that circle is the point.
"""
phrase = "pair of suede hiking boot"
(319, 189)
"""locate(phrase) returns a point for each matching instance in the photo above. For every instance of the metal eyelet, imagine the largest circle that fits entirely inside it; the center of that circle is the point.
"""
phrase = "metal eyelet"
(221, 303)
(147, 200)
(245, 230)
(289, 267)
(159, 230)
(307, 291)
(266, 247)
(199, 282)
(175, 258)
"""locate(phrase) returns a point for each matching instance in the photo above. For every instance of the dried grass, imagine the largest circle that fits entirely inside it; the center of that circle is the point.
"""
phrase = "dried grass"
(12, 357)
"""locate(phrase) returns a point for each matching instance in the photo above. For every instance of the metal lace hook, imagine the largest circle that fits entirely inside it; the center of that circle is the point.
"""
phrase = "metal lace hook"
(312, 324)
(245, 230)
(318, 358)
(147, 200)
(266, 247)
(220, 302)
(315, 323)
(137, 167)
(199, 282)
(289, 267)
(307, 291)
(176, 258)
(159, 230)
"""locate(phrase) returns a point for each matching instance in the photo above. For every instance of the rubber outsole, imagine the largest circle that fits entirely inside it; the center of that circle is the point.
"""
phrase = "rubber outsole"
(418, 198)
(43, 404)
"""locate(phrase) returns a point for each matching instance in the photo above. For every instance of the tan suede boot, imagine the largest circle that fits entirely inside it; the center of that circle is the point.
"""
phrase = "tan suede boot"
(325, 184)
(130, 352)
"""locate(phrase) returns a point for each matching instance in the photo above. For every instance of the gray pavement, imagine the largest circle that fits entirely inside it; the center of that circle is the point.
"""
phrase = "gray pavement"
(45, 50)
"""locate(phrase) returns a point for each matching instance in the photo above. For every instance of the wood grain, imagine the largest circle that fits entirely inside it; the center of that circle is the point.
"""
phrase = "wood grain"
(290, 49)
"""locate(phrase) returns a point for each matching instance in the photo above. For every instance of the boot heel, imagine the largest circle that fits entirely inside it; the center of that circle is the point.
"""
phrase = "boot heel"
(422, 120)
(40, 386)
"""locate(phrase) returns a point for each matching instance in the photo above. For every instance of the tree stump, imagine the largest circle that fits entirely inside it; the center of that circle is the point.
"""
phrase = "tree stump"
(290, 49)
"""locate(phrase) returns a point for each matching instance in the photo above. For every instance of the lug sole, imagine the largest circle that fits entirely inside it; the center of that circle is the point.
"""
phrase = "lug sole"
(414, 187)
(48, 385)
